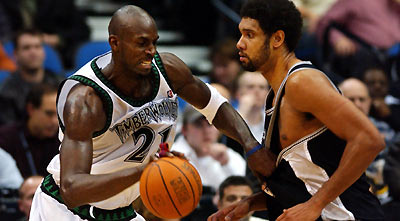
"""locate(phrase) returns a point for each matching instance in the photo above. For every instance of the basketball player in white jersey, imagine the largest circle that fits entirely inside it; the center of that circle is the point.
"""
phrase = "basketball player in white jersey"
(323, 142)
(114, 112)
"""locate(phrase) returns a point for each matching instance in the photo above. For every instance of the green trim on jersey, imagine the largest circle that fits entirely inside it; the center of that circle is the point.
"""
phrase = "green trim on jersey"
(105, 97)
(129, 100)
(160, 65)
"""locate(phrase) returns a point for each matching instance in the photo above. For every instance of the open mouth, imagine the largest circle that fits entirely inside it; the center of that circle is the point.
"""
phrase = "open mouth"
(146, 64)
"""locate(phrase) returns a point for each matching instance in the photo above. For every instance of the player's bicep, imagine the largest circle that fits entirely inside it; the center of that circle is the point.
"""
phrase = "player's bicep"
(313, 93)
(83, 115)
(185, 84)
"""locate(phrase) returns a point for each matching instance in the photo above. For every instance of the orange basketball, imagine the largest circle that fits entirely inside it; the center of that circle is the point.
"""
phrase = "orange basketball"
(170, 187)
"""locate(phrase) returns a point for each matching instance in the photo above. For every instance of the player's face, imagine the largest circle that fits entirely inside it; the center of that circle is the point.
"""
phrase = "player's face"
(253, 45)
(138, 47)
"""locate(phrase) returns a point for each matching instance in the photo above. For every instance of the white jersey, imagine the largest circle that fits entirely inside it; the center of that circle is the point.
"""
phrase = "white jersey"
(134, 128)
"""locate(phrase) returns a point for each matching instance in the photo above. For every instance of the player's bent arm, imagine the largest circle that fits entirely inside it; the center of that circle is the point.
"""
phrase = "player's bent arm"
(310, 92)
(83, 115)
(197, 93)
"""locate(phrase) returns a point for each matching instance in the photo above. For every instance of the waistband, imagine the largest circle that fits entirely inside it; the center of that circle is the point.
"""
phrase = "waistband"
(88, 212)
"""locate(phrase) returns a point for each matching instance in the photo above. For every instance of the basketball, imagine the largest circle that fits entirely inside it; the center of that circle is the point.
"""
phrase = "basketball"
(170, 187)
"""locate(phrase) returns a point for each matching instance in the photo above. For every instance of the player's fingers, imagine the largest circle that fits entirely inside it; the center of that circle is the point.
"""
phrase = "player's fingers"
(179, 154)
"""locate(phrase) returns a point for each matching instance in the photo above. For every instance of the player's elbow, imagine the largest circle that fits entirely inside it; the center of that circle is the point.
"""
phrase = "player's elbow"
(68, 194)
(375, 142)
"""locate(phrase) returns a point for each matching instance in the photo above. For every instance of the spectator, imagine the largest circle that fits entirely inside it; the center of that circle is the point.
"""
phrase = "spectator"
(29, 55)
(357, 92)
(232, 190)
(225, 64)
(384, 106)
(377, 23)
(251, 94)
(26, 192)
(10, 181)
(33, 141)
(62, 24)
(10, 177)
(311, 11)
(391, 175)
(214, 161)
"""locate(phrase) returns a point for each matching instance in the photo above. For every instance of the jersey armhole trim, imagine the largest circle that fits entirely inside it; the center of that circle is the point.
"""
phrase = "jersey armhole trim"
(104, 96)
(160, 65)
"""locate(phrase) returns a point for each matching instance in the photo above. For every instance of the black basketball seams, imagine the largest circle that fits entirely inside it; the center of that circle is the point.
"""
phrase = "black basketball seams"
(190, 184)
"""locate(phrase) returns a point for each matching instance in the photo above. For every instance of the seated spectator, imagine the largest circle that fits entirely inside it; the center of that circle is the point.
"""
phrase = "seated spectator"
(357, 92)
(198, 142)
(225, 64)
(232, 190)
(33, 141)
(29, 55)
(10, 181)
(26, 192)
(251, 94)
(376, 23)
(10, 177)
(62, 24)
(384, 106)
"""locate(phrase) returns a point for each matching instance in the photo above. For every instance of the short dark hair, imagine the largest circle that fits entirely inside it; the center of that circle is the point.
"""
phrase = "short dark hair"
(233, 181)
(274, 15)
(35, 95)
(29, 31)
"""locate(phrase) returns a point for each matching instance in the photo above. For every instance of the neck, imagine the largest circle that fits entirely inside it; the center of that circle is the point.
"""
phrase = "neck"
(132, 85)
(33, 76)
(276, 72)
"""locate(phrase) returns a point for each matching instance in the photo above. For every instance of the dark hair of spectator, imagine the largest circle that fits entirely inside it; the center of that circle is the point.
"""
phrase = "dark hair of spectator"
(28, 31)
(233, 181)
(37, 92)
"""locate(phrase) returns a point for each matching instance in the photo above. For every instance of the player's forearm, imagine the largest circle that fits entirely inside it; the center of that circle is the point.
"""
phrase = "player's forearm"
(80, 189)
(229, 122)
(356, 157)
(258, 201)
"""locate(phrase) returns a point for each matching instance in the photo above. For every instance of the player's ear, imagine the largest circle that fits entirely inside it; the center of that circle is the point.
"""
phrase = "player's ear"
(277, 38)
(114, 42)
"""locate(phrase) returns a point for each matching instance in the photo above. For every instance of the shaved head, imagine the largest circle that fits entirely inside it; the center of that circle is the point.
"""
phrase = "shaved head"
(357, 92)
(123, 18)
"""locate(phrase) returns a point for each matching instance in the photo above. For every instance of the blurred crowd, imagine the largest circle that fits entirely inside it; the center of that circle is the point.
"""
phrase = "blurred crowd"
(356, 42)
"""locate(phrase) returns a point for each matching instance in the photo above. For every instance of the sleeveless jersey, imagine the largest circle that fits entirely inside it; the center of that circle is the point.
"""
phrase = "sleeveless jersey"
(134, 128)
(304, 166)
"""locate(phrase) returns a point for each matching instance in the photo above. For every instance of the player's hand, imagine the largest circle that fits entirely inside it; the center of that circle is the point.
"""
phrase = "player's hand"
(262, 163)
(232, 212)
(303, 211)
(165, 152)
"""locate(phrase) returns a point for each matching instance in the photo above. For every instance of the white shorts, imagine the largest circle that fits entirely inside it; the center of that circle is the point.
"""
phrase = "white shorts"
(46, 208)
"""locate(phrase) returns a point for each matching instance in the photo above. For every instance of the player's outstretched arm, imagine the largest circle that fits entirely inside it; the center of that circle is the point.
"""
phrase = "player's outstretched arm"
(226, 119)
(308, 91)
(197, 93)
(83, 115)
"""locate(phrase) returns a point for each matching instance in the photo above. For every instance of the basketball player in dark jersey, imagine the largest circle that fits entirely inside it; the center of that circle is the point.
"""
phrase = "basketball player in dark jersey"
(323, 142)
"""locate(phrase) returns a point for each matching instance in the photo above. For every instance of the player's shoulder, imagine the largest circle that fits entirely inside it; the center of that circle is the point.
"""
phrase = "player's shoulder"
(307, 79)
(84, 96)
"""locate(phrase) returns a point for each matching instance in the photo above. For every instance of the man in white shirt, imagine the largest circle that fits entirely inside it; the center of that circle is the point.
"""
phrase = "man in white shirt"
(198, 142)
